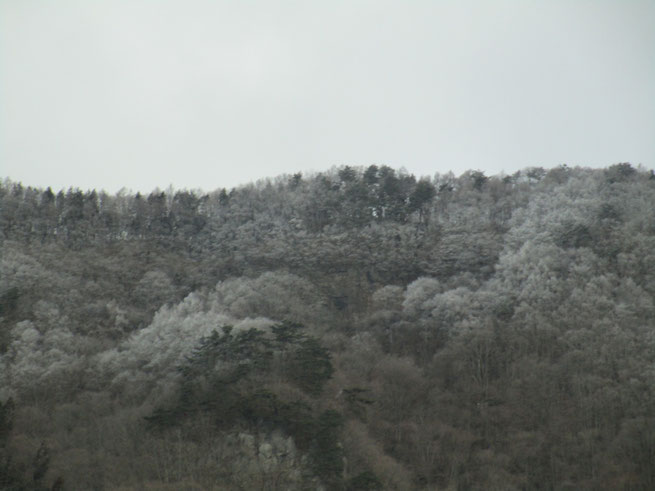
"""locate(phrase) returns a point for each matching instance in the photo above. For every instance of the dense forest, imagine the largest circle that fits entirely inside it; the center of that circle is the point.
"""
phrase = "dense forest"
(355, 329)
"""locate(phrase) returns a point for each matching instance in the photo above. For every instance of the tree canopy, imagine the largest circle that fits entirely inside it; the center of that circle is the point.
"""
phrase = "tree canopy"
(351, 329)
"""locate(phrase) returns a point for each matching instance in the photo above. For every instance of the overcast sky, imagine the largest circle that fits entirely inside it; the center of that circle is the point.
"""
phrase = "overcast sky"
(208, 94)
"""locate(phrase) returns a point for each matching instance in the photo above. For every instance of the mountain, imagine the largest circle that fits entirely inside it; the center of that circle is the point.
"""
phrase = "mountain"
(352, 329)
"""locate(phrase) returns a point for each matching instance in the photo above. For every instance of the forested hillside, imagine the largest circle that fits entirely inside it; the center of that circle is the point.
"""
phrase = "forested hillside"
(356, 329)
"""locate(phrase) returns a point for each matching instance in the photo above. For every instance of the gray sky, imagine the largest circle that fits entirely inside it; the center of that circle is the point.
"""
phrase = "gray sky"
(207, 94)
